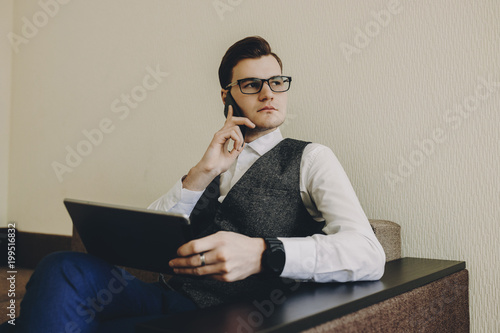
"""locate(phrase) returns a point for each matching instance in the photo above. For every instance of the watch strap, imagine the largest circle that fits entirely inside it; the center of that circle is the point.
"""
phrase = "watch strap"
(273, 258)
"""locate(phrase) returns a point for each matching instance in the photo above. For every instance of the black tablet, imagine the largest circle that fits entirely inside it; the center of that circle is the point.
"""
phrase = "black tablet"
(131, 237)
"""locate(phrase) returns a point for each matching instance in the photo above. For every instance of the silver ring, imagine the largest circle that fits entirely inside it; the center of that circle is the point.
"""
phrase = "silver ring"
(202, 258)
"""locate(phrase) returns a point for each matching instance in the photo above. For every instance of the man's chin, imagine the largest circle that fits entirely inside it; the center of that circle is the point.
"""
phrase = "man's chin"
(261, 129)
(269, 127)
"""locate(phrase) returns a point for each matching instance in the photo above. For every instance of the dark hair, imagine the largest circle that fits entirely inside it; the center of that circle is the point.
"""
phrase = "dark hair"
(247, 48)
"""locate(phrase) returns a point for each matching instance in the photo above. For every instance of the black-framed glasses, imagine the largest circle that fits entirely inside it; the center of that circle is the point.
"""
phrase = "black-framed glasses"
(254, 85)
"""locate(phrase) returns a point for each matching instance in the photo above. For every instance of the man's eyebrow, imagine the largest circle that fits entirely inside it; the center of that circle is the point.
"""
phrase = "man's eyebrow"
(257, 78)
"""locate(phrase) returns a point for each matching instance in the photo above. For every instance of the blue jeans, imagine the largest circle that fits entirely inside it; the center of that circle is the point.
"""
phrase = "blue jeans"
(72, 292)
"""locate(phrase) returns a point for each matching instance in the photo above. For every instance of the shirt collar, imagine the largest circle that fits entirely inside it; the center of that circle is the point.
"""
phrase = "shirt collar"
(266, 142)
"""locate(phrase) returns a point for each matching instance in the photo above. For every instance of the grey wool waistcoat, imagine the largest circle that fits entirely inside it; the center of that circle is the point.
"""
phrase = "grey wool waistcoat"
(265, 202)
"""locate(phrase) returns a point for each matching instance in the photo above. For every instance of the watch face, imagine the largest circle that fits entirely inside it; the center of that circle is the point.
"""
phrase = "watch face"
(276, 260)
(273, 259)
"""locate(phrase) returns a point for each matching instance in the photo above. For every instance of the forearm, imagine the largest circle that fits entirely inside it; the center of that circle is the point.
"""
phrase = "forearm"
(341, 257)
(199, 177)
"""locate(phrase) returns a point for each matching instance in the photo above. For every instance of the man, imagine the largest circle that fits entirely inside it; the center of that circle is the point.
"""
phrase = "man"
(348, 249)
(269, 208)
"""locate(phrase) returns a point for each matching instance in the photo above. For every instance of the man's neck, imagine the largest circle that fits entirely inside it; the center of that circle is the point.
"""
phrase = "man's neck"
(254, 134)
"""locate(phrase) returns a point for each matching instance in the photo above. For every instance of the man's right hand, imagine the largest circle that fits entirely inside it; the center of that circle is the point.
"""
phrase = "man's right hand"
(217, 158)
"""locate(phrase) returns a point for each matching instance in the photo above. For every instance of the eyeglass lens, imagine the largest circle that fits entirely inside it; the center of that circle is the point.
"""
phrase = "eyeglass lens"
(253, 86)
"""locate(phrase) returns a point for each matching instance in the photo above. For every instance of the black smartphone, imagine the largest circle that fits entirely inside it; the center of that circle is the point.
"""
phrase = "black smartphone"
(236, 111)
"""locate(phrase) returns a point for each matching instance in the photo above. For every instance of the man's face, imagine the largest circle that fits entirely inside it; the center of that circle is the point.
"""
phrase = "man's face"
(266, 109)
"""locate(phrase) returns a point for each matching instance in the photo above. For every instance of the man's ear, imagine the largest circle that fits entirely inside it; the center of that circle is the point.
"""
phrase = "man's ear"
(223, 94)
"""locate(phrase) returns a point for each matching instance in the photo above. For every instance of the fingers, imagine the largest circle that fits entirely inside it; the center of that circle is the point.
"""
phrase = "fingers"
(194, 260)
(217, 271)
(229, 112)
(222, 139)
(196, 266)
(232, 127)
(235, 120)
(190, 261)
(200, 245)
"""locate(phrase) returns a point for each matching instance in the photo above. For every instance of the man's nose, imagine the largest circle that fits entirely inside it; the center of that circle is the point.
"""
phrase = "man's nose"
(266, 91)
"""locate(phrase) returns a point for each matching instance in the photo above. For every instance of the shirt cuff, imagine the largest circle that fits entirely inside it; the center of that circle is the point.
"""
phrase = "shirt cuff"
(189, 196)
(300, 253)
(178, 200)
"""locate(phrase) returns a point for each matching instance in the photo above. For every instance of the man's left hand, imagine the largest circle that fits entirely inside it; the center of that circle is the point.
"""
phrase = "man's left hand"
(229, 256)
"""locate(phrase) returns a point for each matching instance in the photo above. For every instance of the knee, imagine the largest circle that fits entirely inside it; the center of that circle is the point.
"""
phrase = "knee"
(66, 262)
(56, 260)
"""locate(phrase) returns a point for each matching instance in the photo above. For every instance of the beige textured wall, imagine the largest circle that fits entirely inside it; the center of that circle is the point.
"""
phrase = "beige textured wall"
(406, 93)
(6, 21)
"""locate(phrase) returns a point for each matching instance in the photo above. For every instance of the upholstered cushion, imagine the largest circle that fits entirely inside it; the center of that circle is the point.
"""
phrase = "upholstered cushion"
(389, 235)
(440, 306)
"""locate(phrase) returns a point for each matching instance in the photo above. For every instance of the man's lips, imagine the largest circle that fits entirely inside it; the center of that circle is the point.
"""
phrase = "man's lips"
(268, 108)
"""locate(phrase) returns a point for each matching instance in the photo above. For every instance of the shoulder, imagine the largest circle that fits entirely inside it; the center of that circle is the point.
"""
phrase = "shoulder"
(319, 159)
(316, 150)
(310, 148)
(314, 153)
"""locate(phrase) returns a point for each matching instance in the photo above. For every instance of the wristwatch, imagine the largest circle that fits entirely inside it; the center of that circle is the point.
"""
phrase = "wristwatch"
(273, 258)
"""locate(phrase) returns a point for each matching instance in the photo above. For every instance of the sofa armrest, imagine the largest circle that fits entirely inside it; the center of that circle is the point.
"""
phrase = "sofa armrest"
(404, 300)
(389, 235)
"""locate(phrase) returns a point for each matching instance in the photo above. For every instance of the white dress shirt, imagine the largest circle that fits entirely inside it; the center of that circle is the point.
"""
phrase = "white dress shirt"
(349, 250)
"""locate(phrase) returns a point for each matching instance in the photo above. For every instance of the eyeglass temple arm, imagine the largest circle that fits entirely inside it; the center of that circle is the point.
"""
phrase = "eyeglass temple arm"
(231, 84)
